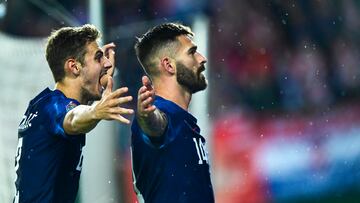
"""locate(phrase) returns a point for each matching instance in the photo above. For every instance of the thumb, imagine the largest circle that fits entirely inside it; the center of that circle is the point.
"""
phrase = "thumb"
(109, 86)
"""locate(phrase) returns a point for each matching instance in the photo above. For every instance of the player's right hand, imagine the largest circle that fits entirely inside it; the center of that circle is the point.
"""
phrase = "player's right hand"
(109, 107)
(146, 94)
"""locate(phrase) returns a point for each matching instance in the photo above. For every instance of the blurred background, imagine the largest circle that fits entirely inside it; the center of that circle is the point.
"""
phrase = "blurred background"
(281, 114)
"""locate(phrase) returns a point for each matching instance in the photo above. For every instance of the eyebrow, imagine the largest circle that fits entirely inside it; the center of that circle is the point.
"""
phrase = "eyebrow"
(192, 49)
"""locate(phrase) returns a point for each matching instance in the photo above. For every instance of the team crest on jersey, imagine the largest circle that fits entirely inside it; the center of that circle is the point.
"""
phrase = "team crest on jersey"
(70, 106)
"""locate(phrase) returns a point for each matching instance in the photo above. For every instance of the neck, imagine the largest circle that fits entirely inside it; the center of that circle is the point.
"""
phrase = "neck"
(172, 91)
(69, 92)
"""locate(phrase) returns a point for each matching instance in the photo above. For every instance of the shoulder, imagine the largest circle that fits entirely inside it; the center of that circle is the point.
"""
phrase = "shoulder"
(168, 107)
(53, 101)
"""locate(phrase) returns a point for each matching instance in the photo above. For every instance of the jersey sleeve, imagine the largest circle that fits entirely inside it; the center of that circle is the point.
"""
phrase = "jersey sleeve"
(57, 111)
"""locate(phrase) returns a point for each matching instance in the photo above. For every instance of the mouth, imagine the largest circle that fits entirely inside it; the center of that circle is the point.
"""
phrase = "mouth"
(102, 82)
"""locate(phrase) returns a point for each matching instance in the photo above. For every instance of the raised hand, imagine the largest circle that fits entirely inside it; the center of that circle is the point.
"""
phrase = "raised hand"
(109, 52)
(146, 94)
(109, 108)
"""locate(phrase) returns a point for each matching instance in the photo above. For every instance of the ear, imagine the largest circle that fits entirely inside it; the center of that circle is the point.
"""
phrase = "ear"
(72, 66)
(167, 64)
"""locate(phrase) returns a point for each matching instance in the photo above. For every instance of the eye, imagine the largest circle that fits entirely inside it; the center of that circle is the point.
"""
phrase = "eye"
(192, 51)
(98, 56)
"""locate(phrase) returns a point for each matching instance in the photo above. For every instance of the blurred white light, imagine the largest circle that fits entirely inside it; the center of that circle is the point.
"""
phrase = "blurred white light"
(2, 10)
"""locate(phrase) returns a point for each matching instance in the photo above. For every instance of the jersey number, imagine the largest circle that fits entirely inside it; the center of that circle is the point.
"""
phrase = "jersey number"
(17, 159)
(201, 151)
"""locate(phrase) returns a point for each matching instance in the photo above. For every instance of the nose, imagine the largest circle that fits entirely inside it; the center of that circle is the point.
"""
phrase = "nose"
(202, 59)
(107, 63)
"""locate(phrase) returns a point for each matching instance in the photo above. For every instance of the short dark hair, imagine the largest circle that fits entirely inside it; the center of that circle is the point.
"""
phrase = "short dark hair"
(66, 43)
(156, 39)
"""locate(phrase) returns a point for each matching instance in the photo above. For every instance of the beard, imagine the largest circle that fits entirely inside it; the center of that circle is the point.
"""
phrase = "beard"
(88, 96)
(191, 81)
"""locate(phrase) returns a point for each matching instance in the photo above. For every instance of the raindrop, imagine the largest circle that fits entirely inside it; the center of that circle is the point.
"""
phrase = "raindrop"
(262, 135)
(219, 30)
(311, 123)
(139, 10)
(109, 181)
(283, 21)
(239, 43)
(285, 77)
(222, 60)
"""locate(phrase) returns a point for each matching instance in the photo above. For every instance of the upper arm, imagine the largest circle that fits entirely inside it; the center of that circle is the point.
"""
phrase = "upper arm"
(56, 113)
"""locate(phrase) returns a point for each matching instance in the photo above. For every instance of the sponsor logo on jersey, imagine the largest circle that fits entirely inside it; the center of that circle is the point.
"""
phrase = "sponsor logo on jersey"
(26, 121)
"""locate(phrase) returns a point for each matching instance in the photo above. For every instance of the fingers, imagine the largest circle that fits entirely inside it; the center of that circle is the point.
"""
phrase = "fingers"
(109, 86)
(146, 95)
(146, 82)
(120, 100)
(121, 119)
(118, 92)
(121, 110)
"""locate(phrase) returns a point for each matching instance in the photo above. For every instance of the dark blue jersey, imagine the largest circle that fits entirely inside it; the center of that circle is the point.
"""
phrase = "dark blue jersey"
(174, 168)
(48, 161)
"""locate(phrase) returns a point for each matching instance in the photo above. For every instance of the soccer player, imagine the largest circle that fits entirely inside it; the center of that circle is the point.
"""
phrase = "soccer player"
(169, 158)
(51, 134)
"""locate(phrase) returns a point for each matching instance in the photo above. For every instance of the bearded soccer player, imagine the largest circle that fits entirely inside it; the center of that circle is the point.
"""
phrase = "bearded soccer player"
(169, 157)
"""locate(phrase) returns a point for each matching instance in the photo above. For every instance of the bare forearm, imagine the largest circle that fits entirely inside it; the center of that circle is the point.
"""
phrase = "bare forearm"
(80, 120)
(153, 124)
